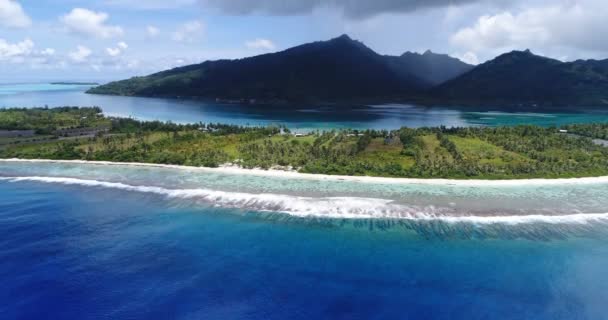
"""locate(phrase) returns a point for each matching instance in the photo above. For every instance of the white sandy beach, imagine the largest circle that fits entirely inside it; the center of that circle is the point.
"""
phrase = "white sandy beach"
(232, 169)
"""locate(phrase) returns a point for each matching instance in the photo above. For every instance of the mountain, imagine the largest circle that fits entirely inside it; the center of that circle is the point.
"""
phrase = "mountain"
(337, 69)
(345, 70)
(523, 78)
(431, 67)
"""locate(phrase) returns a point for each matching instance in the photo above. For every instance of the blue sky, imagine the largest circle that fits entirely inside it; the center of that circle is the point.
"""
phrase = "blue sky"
(112, 39)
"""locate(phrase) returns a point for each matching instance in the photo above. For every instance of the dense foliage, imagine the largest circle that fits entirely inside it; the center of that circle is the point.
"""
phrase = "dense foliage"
(489, 153)
(45, 120)
(595, 131)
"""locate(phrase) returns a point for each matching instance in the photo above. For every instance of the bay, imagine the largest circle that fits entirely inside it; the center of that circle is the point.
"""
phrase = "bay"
(389, 116)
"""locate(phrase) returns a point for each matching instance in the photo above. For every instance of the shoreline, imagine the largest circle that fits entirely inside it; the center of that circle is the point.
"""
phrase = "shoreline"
(275, 173)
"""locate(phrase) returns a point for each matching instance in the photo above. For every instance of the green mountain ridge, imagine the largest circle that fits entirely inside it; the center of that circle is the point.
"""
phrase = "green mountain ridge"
(523, 78)
(326, 70)
(345, 70)
(335, 70)
(431, 67)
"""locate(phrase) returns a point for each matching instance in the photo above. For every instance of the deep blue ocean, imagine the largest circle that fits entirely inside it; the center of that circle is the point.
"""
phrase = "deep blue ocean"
(74, 252)
(119, 242)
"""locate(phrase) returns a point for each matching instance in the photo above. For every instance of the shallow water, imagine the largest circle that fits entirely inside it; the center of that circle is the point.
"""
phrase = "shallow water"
(522, 209)
(302, 118)
(90, 252)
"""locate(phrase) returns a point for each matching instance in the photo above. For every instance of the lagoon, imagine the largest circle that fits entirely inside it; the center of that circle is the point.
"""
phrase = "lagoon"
(389, 116)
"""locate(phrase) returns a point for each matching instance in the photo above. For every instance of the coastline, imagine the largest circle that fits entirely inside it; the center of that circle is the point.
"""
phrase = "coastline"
(276, 173)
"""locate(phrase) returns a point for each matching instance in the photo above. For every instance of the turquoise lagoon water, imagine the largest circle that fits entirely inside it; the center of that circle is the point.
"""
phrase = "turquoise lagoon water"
(304, 118)
(119, 242)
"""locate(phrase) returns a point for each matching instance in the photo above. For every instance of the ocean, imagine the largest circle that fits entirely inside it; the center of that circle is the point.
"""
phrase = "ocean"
(90, 241)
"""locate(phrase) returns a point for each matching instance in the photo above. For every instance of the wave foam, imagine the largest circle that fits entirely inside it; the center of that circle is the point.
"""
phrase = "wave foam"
(236, 170)
(328, 207)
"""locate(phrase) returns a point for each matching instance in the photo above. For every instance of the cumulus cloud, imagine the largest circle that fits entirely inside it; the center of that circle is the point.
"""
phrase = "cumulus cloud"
(12, 15)
(152, 31)
(48, 52)
(90, 23)
(350, 8)
(81, 54)
(115, 52)
(189, 32)
(24, 52)
(468, 57)
(579, 25)
(15, 50)
(260, 44)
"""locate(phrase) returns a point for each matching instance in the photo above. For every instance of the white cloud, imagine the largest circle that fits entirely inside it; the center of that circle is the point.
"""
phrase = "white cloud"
(81, 54)
(468, 57)
(90, 23)
(152, 31)
(113, 52)
(189, 32)
(260, 44)
(15, 50)
(579, 25)
(132, 64)
(48, 52)
(12, 15)
(24, 52)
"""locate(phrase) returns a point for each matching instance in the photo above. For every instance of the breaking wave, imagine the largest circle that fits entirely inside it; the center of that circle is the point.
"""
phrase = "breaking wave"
(325, 207)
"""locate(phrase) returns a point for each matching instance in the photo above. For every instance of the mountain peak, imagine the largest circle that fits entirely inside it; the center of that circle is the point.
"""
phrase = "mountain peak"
(343, 37)
(526, 52)
(517, 55)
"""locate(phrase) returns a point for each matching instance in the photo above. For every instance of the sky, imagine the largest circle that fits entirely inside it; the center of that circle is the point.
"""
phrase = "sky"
(103, 40)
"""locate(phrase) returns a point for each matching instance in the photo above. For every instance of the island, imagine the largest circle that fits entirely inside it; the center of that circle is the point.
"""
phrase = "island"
(75, 83)
(84, 133)
(345, 71)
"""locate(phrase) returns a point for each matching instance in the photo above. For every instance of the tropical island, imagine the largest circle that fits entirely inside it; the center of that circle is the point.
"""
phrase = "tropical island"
(345, 71)
(75, 83)
(73, 133)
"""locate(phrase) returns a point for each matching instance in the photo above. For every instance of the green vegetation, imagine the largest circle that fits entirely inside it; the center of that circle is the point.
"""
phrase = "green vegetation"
(46, 121)
(596, 131)
(464, 153)
(521, 78)
(343, 70)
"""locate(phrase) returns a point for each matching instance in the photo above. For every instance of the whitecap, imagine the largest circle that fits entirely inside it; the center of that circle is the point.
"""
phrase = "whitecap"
(324, 207)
